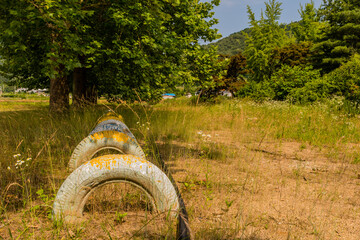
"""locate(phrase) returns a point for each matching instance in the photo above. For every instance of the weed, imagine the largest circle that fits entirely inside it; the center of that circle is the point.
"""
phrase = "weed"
(120, 217)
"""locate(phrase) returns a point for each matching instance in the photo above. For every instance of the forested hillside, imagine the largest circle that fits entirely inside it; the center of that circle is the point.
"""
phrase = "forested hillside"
(232, 44)
(236, 42)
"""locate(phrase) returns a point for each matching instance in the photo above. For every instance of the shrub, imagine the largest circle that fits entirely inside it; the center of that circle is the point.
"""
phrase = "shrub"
(289, 79)
(259, 92)
(346, 80)
(315, 90)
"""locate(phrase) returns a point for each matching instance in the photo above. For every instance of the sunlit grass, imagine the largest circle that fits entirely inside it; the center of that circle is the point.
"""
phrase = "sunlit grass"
(234, 133)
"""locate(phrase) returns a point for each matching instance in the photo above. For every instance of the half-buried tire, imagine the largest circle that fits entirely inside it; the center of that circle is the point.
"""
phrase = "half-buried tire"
(73, 193)
(98, 141)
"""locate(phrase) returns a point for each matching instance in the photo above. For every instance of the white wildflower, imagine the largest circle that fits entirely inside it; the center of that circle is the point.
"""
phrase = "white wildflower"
(147, 128)
(19, 163)
(200, 132)
(9, 168)
(28, 159)
(209, 136)
(17, 155)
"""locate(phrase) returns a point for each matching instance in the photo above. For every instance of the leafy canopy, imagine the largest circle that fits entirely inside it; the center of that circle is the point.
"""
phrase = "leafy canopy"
(124, 45)
(341, 38)
(265, 35)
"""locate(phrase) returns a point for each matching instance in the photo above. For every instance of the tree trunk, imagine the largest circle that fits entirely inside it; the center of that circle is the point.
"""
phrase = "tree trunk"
(83, 93)
(79, 87)
(59, 93)
(91, 95)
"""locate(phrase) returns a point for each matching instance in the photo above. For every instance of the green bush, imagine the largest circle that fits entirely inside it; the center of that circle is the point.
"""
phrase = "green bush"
(346, 80)
(315, 90)
(290, 79)
(258, 91)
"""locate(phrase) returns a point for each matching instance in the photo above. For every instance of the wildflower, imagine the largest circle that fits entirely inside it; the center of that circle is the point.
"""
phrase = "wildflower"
(209, 136)
(147, 128)
(17, 155)
(19, 162)
(28, 159)
(138, 123)
(9, 168)
(200, 132)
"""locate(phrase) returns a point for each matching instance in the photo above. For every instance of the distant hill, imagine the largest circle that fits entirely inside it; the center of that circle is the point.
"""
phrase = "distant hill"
(235, 42)
(232, 44)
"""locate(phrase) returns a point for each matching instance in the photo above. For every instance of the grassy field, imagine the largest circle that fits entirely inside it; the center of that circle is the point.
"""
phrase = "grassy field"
(245, 170)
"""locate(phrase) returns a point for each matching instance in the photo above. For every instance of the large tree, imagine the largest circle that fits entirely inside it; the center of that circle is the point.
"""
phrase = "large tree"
(341, 38)
(114, 46)
(265, 35)
(308, 29)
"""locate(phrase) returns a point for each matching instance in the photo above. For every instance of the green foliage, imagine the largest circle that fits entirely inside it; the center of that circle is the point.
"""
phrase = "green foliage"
(340, 38)
(236, 69)
(162, 57)
(346, 80)
(231, 44)
(120, 217)
(232, 81)
(292, 54)
(289, 78)
(309, 27)
(318, 89)
(258, 91)
(265, 35)
(123, 45)
(297, 84)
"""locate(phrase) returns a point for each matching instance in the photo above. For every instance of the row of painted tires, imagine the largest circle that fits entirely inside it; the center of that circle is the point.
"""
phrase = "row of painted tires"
(130, 166)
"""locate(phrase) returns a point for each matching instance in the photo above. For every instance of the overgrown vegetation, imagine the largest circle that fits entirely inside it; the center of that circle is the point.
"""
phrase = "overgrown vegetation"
(301, 62)
(307, 61)
(118, 49)
(196, 142)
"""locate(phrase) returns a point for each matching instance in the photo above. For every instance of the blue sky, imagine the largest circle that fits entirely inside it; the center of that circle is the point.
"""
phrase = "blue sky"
(232, 14)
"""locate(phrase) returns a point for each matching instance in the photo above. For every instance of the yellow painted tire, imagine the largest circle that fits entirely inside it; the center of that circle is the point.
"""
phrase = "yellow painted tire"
(75, 190)
(108, 116)
(98, 141)
(114, 125)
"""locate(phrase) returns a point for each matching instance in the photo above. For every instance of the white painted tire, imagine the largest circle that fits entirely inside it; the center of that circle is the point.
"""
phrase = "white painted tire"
(112, 125)
(73, 193)
(96, 142)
